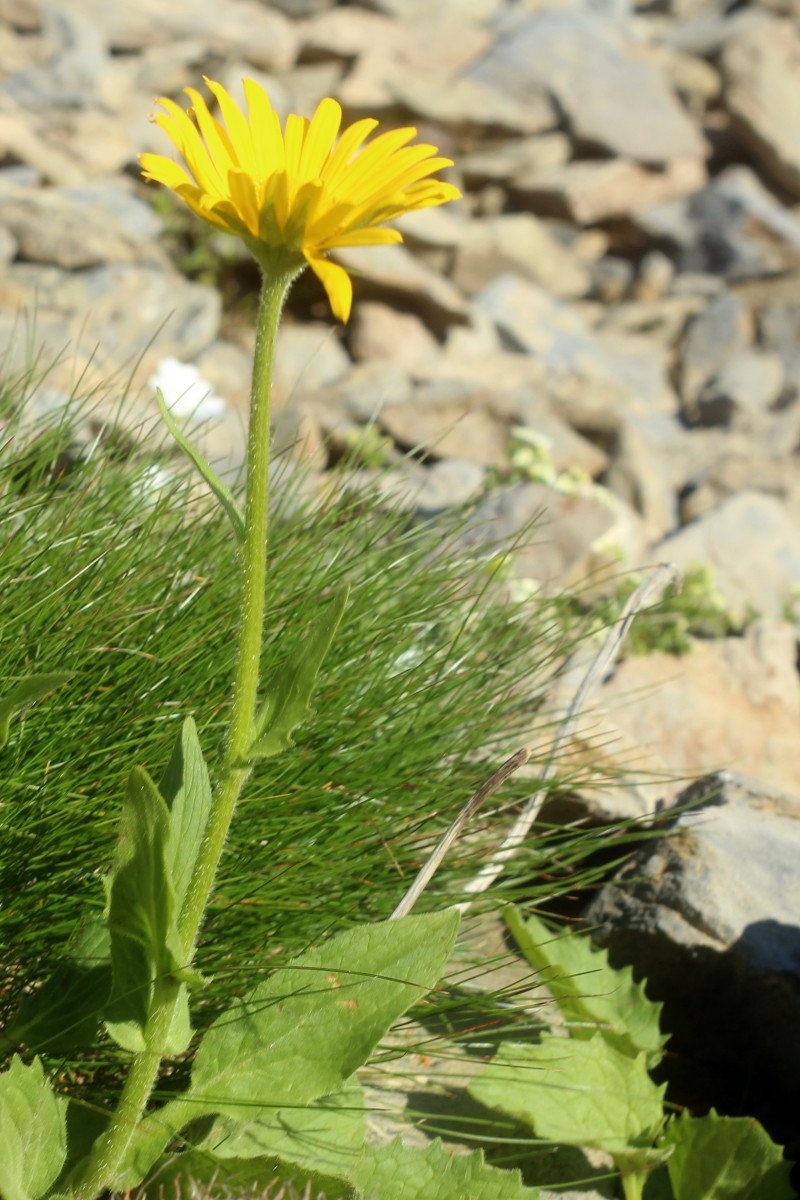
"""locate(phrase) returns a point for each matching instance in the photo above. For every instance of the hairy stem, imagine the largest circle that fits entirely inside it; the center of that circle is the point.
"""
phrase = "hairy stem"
(101, 1169)
(236, 767)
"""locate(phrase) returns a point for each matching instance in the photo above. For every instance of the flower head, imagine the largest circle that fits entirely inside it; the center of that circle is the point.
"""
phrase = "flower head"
(294, 194)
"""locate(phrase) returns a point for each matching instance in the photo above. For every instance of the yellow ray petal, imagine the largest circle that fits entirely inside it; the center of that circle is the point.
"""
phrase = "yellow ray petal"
(336, 282)
(163, 170)
(369, 236)
(238, 129)
(319, 139)
(216, 139)
(348, 144)
(184, 135)
(265, 130)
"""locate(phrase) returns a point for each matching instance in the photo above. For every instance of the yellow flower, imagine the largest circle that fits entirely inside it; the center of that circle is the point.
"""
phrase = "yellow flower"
(292, 195)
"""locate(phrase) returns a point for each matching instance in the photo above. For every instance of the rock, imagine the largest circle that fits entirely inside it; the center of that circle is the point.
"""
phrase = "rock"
(520, 243)
(735, 468)
(612, 278)
(653, 278)
(752, 545)
(638, 475)
(463, 103)
(748, 385)
(732, 227)
(70, 229)
(669, 707)
(562, 538)
(535, 414)
(530, 320)
(23, 139)
(708, 914)
(713, 339)
(232, 28)
(113, 314)
(448, 484)
(593, 191)
(308, 357)
(391, 272)
(448, 420)
(8, 246)
(378, 332)
(761, 70)
(610, 98)
(366, 389)
(508, 160)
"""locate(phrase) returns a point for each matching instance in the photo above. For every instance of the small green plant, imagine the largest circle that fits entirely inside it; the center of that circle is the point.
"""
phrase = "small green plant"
(587, 1084)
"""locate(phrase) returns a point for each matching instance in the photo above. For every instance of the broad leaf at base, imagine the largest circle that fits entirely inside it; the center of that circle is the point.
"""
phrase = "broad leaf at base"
(33, 1139)
(725, 1158)
(398, 1172)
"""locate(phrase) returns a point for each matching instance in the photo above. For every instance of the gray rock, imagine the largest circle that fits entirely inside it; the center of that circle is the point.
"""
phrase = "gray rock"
(714, 338)
(609, 97)
(761, 69)
(753, 546)
(708, 914)
(115, 313)
(448, 484)
(564, 537)
(69, 78)
(747, 386)
(529, 319)
(81, 227)
(733, 227)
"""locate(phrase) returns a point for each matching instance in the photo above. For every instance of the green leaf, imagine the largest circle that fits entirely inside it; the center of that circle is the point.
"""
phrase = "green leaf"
(592, 995)
(725, 1158)
(197, 1172)
(398, 1172)
(303, 1032)
(290, 690)
(581, 1093)
(326, 1137)
(25, 692)
(141, 913)
(186, 789)
(33, 1140)
(65, 1012)
(220, 490)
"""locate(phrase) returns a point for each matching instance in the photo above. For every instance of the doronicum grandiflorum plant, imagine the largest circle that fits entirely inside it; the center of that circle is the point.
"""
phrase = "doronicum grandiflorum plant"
(271, 1085)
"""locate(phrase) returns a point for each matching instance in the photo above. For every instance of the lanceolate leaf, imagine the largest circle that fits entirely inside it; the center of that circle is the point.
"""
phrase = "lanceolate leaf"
(186, 789)
(141, 911)
(398, 1172)
(33, 1140)
(590, 993)
(725, 1158)
(582, 1093)
(291, 686)
(65, 1012)
(23, 693)
(303, 1032)
(220, 490)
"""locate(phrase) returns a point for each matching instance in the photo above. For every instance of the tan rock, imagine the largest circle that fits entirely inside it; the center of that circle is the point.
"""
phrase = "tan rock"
(596, 190)
(731, 703)
(393, 270)
(521, 243)
(379, 332)
(761, 70)
(448, 430)
(22, 140)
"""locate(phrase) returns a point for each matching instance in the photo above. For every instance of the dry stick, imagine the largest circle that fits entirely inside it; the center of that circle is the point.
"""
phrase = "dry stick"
(662, 576)
(470, 808)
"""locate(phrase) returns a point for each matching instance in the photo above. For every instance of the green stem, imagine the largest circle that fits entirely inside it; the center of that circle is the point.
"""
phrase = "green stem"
(236, 768)
(103, 1165)
(633, 1184)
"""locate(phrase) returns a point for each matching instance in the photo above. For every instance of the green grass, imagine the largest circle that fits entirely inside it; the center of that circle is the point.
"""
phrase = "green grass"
(432, 680)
